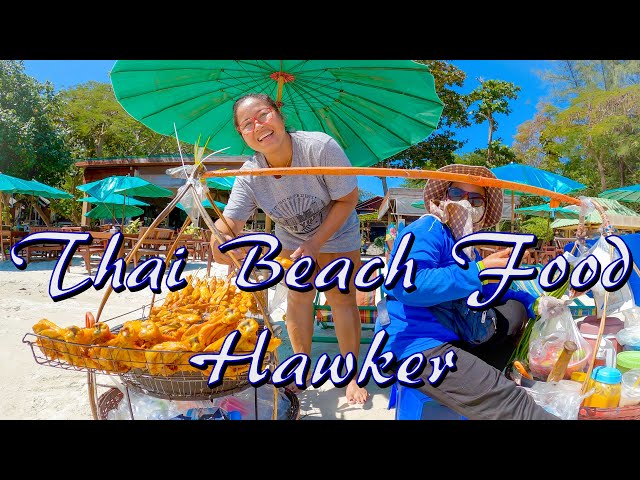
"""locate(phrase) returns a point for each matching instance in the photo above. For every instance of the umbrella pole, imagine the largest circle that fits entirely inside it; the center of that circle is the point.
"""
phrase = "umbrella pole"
(124, 203)
(513, 213)
(2, 225)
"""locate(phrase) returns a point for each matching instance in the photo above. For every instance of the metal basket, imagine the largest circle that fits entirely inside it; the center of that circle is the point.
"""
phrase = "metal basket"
(110, 400)
(164, 374)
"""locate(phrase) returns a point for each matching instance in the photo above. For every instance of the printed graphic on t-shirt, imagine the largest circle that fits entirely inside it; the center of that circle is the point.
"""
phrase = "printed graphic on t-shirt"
(299, 213)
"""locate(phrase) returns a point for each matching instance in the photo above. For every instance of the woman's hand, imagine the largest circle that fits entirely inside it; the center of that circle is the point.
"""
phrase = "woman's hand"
(310, 248)
(497, 259)
(223, 228)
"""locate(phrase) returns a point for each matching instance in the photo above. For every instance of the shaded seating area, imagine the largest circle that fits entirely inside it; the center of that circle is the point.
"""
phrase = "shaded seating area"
(157, 243)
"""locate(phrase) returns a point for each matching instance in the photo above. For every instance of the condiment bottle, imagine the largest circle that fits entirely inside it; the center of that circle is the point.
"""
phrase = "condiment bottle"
(607, 384)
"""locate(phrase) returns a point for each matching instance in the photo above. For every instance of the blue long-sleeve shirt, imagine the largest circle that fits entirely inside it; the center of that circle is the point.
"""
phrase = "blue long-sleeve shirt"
(413, 328)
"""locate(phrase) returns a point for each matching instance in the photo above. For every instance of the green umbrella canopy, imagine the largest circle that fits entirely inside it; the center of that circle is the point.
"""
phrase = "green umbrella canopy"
(610, 207)
(630, 193)
(206, 204)
(115, 199)
(114, 211)
(372, 108)
(221, 183)
(51, 192)
(546, 211)
(125, 185)
(535, 177)
(9, 184)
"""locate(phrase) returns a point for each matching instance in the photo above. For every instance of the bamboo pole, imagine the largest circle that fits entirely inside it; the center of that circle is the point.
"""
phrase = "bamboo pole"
(135, 248)
(399, 173)
(170, 251)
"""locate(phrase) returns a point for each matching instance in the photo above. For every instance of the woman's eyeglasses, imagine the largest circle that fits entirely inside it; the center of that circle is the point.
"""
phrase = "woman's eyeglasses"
(456, 194)
(263, 116)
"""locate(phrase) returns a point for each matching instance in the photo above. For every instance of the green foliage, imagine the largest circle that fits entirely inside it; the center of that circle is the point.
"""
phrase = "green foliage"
(490, 98)
(379, 242)
(133, 226)
(7, 218)
(539, 227)
(31, 144)
(69, 207)
(98, 126)
(438, 149)
(193, 230)
(364, 195)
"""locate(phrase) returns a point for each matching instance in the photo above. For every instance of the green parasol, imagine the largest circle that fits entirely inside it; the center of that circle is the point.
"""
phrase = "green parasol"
(50, 192)
(222, 183)
(206, 204)
(103, 211)
(546, 211)
(115, 199)
(125, 185)
(630, 193)
(372, 108)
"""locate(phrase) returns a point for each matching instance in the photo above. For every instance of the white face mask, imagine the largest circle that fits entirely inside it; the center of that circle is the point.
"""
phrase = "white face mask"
(462, 218)
(477, 213)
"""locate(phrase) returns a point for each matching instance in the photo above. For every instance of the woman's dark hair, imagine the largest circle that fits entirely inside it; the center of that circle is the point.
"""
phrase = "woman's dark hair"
(258, 96)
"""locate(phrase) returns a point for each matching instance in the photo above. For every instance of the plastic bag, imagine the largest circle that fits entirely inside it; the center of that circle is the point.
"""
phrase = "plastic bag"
(620, 300)
(190, 200)
(562, 399)
(629, 337)
(555, 326)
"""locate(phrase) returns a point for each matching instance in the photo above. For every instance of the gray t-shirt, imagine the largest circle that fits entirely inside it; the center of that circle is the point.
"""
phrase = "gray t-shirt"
(299, 204)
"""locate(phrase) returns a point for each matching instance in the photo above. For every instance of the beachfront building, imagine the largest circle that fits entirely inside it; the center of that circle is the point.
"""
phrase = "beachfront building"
(154, 169)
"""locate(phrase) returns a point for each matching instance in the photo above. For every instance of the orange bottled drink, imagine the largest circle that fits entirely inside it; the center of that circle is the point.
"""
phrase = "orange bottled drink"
(607, 385)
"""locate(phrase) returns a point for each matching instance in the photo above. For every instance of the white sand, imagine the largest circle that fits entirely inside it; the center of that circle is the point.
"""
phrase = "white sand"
(32, 391)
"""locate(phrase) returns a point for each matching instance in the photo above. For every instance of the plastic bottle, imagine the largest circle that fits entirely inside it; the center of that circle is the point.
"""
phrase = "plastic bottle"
(607, 384)
(606, 355)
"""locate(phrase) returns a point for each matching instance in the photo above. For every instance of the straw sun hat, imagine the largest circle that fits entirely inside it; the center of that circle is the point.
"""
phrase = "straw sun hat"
(435, 190)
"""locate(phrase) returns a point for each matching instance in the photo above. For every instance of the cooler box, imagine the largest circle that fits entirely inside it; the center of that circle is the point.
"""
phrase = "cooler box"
(412, 404)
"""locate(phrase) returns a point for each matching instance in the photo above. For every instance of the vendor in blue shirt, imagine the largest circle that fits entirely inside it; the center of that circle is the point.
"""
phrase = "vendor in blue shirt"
(423, 321)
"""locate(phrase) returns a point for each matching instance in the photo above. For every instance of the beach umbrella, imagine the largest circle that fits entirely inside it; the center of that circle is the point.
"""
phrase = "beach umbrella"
(630, 193)
(9, 184)
(535, 177)
(115, 199)
(50, 192)
(206, 204)
(104, 212)
(372, 108)
(126, 186)
(222, 183)
(546, 211)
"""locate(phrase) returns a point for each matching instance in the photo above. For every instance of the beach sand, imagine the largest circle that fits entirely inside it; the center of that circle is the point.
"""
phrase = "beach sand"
(30, 391)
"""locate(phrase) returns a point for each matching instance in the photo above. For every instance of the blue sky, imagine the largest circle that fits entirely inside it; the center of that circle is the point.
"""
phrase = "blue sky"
(67, 73)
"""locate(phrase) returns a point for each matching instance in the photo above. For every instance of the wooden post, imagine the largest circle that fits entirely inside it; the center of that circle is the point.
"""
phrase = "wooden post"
(84, 221)
(513, 213)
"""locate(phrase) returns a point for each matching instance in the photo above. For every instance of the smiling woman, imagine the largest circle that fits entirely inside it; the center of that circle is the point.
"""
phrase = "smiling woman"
(314, 215)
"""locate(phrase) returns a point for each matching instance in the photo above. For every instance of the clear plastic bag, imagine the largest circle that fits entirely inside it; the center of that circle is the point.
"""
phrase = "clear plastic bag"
(619, 300)
(555, 326)
(562, 399)
(190, 199)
